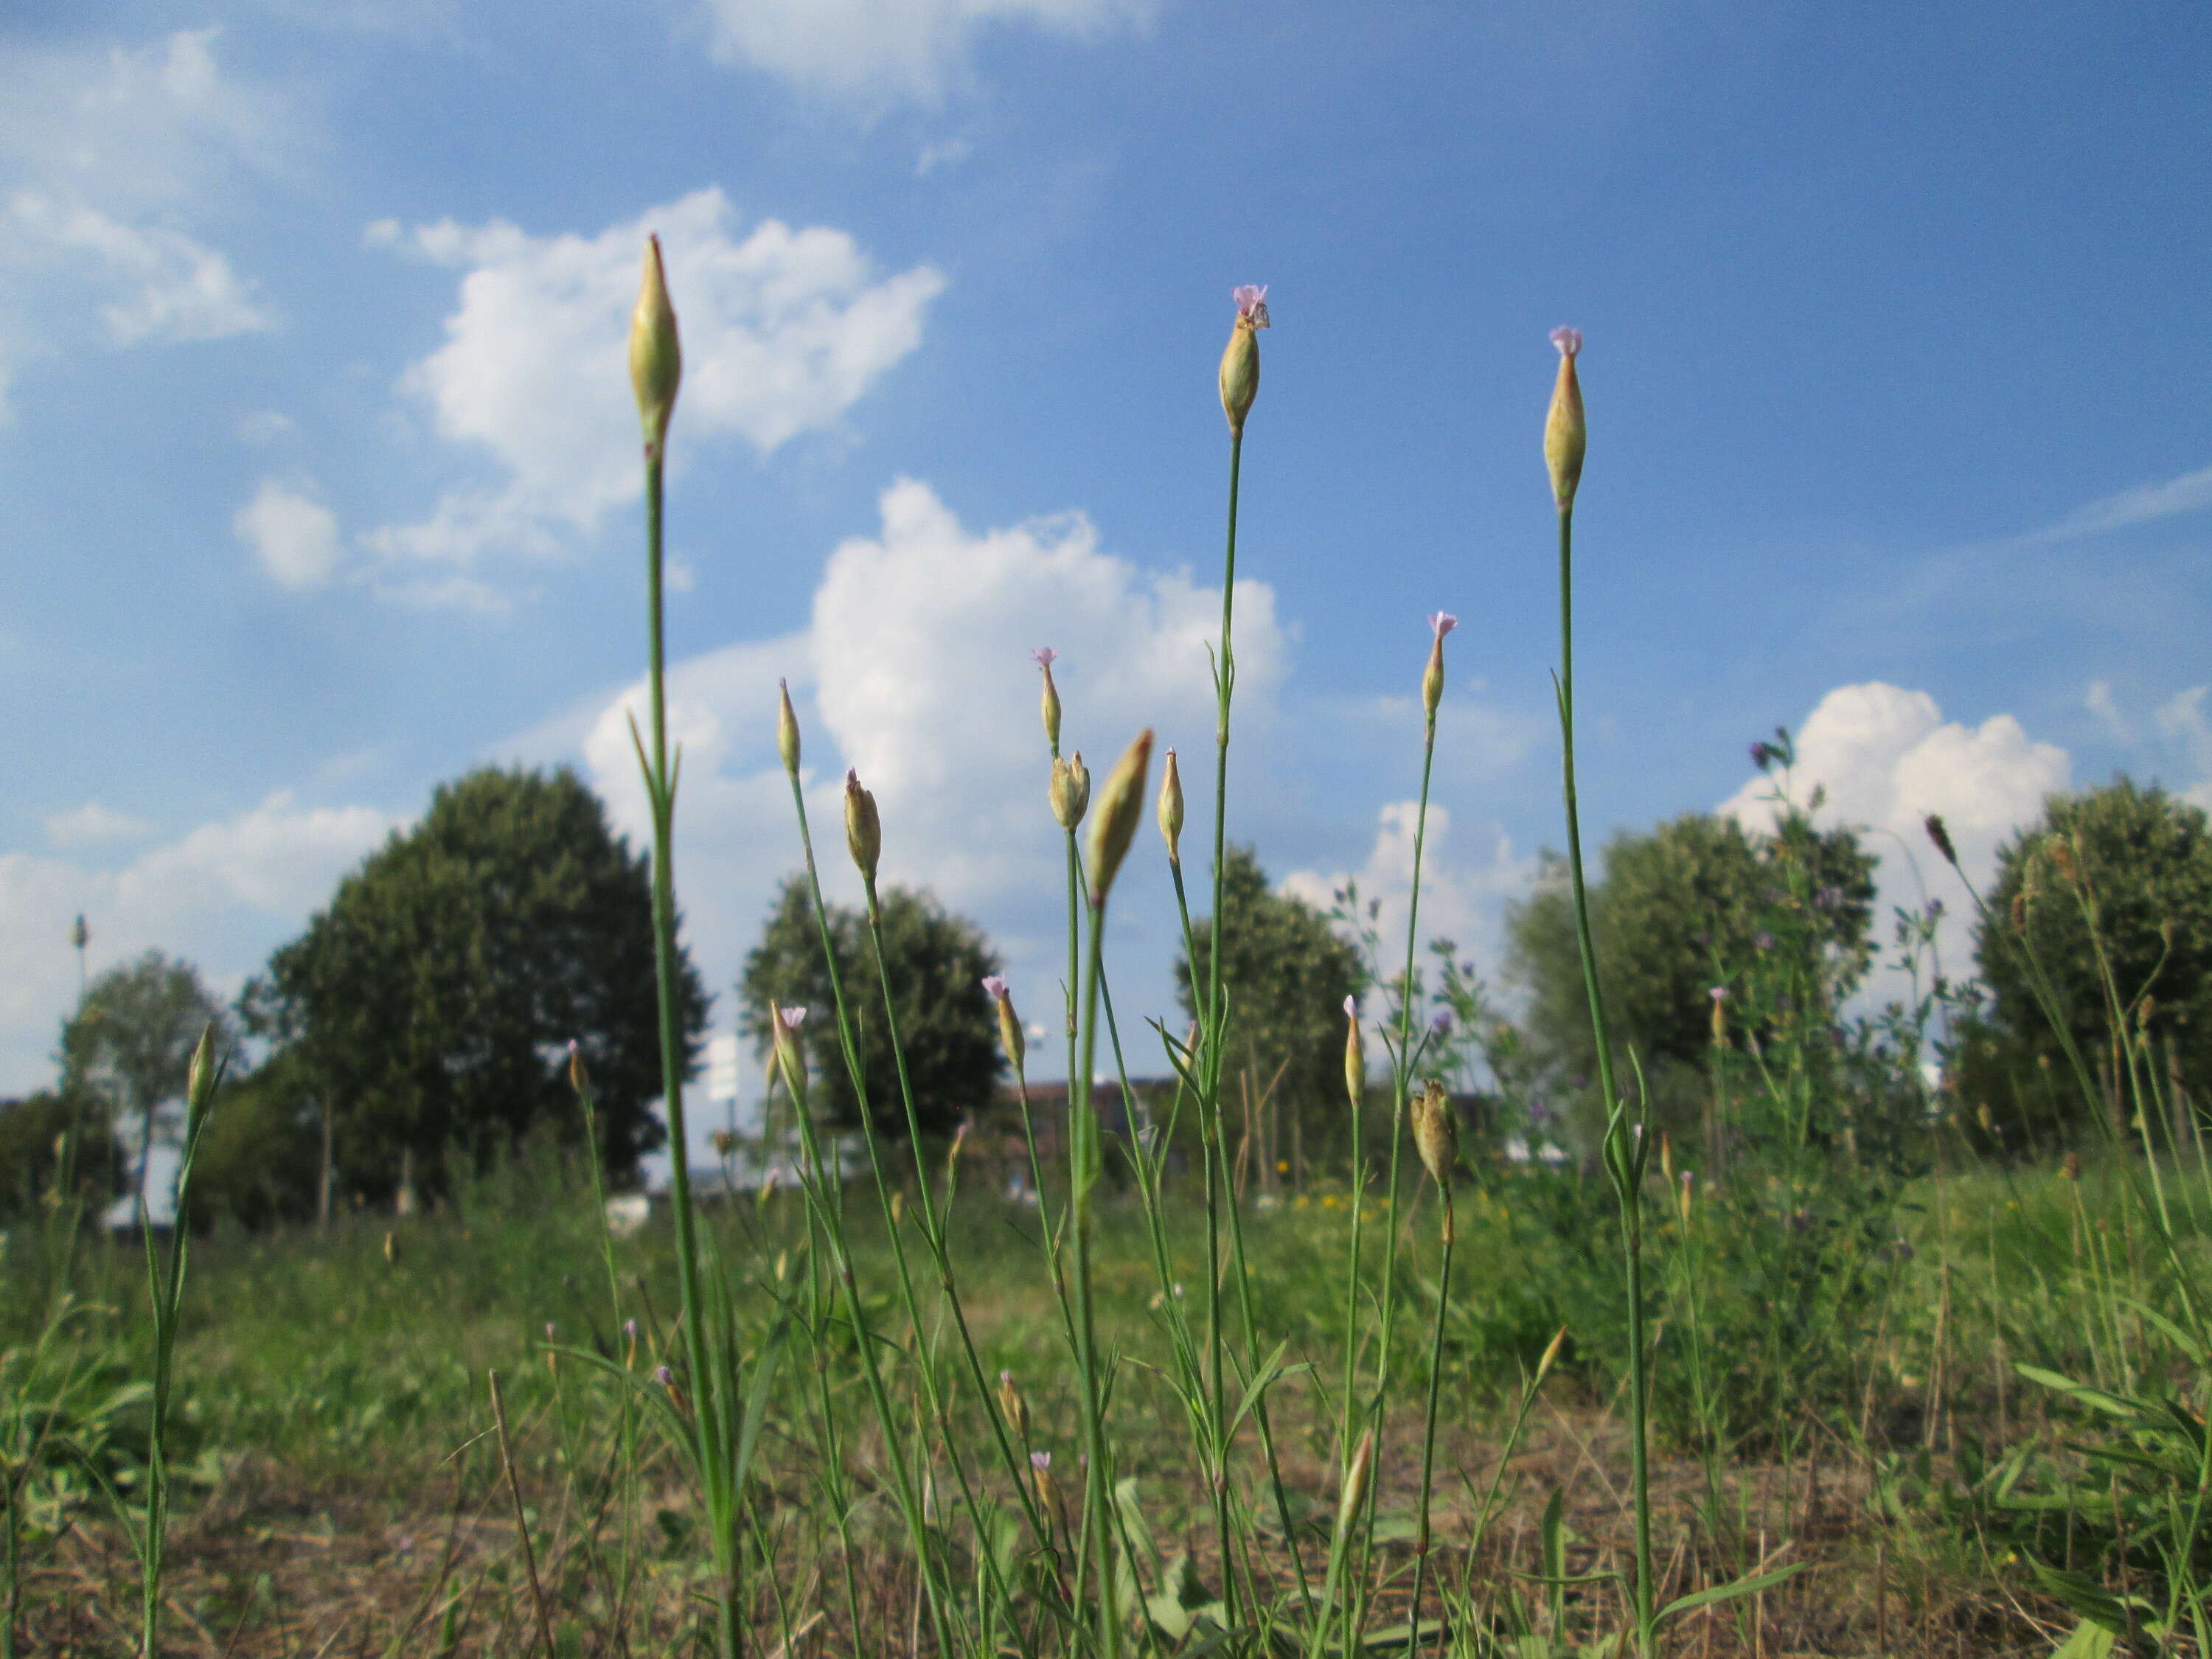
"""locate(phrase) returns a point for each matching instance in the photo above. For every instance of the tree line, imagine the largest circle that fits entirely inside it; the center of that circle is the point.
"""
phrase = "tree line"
(418, 1026)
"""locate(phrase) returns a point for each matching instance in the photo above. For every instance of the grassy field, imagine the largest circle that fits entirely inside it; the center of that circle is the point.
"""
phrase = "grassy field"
(1857, 1409)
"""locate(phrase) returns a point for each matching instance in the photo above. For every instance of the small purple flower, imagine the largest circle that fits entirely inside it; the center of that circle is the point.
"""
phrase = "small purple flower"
(1004, 1377)
(1040, 1461)
(793, 1018)
(549, 1330)
(1762, 755)
(1718, 994)
(1763, 941)
(629, 1330)
(1044, 656)
(663, 1376)
(1568, 340)
(1443, 622)
(994, 988)
(1935, 909)
(1351, 1007)
(1251, 304)
(572, 1047)
(1441, 1025)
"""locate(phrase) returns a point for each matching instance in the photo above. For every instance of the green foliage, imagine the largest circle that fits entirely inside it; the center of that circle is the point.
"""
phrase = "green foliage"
(262, 1153)
(131, 1042)
(435, 998)
(2146, 862)
(1781, 920)
(947, 1026)
(32, 1132)
(1287, 973)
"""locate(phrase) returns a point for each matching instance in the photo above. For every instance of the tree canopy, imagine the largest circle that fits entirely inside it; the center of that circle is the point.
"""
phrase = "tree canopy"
(2142, 860)
(947, 1025)
(129, 1044)
(1287, 973)
(436, 996)
(33, 1150)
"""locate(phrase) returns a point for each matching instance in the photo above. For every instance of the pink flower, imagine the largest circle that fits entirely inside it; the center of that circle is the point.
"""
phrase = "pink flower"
(1568, 340)
(1718, 994)
(1040, 1461)
(1443, 621)
(995, 988)
(793, 1018)
(1351, 1007)
(1044, 656)
(1251, 304)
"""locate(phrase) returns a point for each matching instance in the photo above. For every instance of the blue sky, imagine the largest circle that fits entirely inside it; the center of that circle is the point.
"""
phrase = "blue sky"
(318, 463)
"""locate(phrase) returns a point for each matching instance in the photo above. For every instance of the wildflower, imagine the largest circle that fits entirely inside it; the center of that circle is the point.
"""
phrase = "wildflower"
(1762, 755)
(663, 1376)
(786, 729)
(656, 360)
(1170, 811)
(1355, 1054)
(864, 830)
(1432, 681)
(1441, 1025)
(1119, 804)
(1565, 435)
(793, 1018)
(1044, 656)
(1240, 363)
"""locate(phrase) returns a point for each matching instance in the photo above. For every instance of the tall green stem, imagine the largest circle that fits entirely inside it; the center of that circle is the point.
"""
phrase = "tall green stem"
(1083, 1142)
(1624, 1160)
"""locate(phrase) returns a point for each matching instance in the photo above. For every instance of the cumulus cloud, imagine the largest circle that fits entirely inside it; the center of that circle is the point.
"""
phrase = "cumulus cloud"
(294, 536)
(1463, 895)
(224, 895)
(111, 158)
(784, 330)
(1887, 758)
(914, 668)
(876, 52)
(2183, 724)
(92, 825)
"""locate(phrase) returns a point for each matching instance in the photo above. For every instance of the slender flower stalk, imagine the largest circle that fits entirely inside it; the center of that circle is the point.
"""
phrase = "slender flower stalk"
(1625, 1147)
(1436, 1136)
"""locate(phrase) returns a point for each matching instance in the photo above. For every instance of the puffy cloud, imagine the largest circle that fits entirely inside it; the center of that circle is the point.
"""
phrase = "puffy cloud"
(223, 894)
(1886, 758)
(784, 330)
(295, 535)
(878, 50)
(915, 669)
(91, 825)
(109, 156)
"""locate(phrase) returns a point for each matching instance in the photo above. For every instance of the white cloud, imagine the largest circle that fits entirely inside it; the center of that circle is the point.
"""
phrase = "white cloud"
(109, 158)
(2143, 503)
(1462, 899)
(222, 895)
(783, 330)
(2099, 702)
(1887, 758)
(264, 427)
(878, 50)
(915, 670)
(295, 535)
(91, 825)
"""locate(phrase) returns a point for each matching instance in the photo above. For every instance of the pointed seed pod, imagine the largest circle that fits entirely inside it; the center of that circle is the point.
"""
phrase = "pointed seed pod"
(1565, 435)
(1355, 1054)
(1171, 810)
(786, 729)
(1934, 824)
(864, 830)
(1240, 363)
(1071, 790)
(1435, 1132)
(656, 360)
(1121, 804)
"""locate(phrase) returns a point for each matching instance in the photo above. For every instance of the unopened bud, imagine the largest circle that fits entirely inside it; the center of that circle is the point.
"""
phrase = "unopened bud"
(1356, 1482)
(390, 1248)
(1435, 1132)
(1719, 994)
(864, 830)
(1565, 437)
(199, 1078)
(1171, 810)
(1666, 1156)
(1355, 1054)
(1551, 1354)
(1045, 657)
(786, 729)
(1240, 363)
(1689, 1181)
(579, 1075)
(1432, 681)
(1121, 804)
(1071, 790)
(1010, 1027)
(1011, 1403)
(656, 360)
